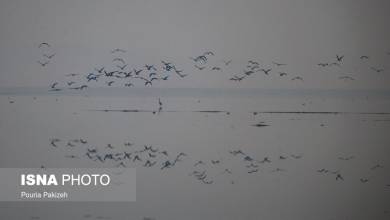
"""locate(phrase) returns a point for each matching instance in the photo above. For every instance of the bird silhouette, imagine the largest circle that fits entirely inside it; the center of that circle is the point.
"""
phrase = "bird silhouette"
(282, 74)
(339, 58)
(118, 50)
(199, 67)
(227, 62)
(237, 78)
(208, 53)
(253, 171)
(44, 44)
(378, 70)
(43, 63)
(296, 156)
(121, 67)
(339, 177)
(49, 56)
(54, 85)
(378, 166)
(279, 64)
(54, 141)
(297, 78)
(118, 59)
(266, 71)
(99, 70)
(346, 78)
(70, 83)
(178, 72)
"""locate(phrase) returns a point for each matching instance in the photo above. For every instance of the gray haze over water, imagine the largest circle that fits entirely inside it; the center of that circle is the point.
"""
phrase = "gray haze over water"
(310, 130)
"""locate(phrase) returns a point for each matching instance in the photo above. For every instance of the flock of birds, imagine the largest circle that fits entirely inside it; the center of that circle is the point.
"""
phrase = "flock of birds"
(129, 154)
(121, 73)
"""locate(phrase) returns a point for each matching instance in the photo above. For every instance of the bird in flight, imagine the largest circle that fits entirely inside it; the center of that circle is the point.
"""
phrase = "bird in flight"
(54, 141)
(282, 74)
(178, 72)
(118, 50)
(339, 177)
(296, 156)
(216, 68)
(236, 152)
(237, 78)
(265, 160)
(346, 158)
(199, 67)
(44, 44)
(364, 57)
(261, 124)
(266, 71)
(121, 67)
(208, 53)
(323, 64)
(43, 63)
(49, 56)
(378, 70)
(345, 78)
(119, 60)
(279, 64)
(72, 74)
(137, 72)
(253, 171)
(376, 167)
(322, 170)
(339, 58)
(150, 67)
(363, 180)
(227, 62)
(54, 85)
(297, 78)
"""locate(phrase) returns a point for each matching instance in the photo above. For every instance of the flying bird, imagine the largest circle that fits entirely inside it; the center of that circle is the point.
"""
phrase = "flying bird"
(297, 78)
(43, 63)
(121, 67)
(227, 62)
(282, 74)
(237, 78)
(199, 67)
(253, 171)
(150, 67)
(44, 44)
(323, 64)
(377, 69)
(266, 71)
(49, 56)
(279, 64)
(119, 60)
(346, 78)
(208, 53)
(54, 141)
(339, 177)
(118, 50)
(54, 85)
(339, 58)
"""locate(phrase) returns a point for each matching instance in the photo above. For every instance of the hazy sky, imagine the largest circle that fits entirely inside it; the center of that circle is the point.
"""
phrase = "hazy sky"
(301, 33)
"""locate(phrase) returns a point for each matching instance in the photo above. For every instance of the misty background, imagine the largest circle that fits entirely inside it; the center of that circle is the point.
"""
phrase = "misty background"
(319, 119)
